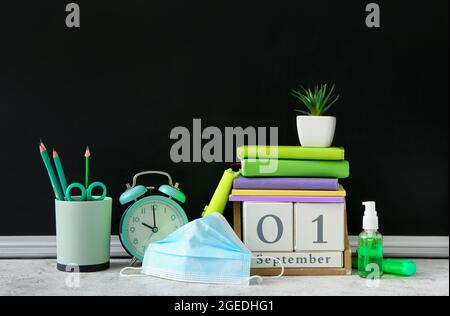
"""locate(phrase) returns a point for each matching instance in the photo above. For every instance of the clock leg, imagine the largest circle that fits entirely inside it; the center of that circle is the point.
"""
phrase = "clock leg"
(133, 262)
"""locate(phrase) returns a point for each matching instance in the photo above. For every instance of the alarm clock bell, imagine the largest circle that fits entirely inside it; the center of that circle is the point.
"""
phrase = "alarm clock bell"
(136, 192)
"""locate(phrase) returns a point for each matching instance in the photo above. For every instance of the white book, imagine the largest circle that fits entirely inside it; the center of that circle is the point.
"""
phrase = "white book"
(312, 259)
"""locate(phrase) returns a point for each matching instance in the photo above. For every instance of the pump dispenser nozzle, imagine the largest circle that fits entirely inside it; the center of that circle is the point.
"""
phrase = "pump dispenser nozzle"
(370, 220)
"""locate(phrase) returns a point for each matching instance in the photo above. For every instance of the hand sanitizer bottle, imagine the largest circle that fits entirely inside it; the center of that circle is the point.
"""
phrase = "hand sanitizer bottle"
(370, 245)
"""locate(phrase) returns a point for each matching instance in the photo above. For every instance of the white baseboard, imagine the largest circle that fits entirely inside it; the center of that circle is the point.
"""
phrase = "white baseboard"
(16, 247)
(411, 246)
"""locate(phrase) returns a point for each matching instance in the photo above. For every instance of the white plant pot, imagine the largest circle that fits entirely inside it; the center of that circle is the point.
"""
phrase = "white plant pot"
(316, 131)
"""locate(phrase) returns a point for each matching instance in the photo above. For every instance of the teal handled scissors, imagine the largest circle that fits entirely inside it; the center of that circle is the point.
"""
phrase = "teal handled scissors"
(86, 193)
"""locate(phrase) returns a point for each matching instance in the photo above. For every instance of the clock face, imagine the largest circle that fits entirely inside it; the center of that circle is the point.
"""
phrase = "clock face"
(150, 219)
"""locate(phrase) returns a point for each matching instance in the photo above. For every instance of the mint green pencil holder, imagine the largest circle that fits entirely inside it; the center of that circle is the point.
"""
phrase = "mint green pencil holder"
(83, 235)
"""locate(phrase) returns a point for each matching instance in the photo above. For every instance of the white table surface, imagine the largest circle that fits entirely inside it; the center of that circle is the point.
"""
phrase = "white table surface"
(40, 277)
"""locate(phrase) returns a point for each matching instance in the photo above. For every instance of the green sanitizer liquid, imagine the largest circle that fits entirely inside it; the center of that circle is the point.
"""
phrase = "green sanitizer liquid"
(370, 245)
(370, 254)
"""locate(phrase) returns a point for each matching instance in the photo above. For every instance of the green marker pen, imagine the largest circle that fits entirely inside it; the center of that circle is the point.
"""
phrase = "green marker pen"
(399, 267)
(394, 266)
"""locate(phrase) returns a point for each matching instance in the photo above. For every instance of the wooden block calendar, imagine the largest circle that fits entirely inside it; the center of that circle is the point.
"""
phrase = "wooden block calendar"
(309, 238)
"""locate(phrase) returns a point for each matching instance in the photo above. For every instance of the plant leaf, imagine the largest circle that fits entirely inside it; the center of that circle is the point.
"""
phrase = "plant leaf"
(331, 104)
(327, 98)
(302, 98)
(303, 112)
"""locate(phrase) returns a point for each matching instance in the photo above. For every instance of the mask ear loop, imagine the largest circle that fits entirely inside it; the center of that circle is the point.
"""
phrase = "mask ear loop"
(259, 279)
(122, 274)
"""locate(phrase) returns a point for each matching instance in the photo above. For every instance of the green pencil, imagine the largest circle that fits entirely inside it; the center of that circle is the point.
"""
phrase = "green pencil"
(48, 165)
(87, 156)
(60, 171)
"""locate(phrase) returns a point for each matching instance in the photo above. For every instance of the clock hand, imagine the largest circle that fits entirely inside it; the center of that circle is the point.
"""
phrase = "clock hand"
(154, 216)
(154, 229)
(148, 226)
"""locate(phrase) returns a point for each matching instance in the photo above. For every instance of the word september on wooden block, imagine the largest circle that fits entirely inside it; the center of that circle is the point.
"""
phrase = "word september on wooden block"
(299, 260)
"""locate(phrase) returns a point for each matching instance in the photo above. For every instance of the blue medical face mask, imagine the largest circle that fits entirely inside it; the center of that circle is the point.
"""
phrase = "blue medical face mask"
(203, 251)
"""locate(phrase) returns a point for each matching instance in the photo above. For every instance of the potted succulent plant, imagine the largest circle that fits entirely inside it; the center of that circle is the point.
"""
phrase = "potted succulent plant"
(314, 129)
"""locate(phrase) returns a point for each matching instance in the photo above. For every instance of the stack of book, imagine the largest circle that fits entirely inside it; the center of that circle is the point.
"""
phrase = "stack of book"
(278, 180)
(290, 174)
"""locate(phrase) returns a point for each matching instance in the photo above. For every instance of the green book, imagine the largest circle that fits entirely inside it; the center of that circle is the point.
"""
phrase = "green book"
(291, 152)
(294, 168)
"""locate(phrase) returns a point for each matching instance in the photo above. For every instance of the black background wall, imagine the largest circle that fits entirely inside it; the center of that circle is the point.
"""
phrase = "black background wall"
(136, 69)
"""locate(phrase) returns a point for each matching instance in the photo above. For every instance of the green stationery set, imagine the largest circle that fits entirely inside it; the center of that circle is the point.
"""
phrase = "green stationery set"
(83, 223)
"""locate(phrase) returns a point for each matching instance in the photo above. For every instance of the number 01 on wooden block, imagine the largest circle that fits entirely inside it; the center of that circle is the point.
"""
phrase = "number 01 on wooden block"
(308, 238)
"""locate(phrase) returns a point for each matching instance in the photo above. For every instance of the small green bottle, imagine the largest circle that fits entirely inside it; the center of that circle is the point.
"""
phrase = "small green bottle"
(370, 245)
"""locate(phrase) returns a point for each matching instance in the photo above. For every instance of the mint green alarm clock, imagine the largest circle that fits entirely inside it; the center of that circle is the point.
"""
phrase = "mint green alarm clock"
(150, 217)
